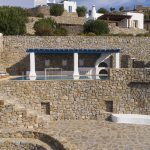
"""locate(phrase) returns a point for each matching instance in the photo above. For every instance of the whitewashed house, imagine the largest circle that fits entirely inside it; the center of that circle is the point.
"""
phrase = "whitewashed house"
(69, 6)
(122, 20)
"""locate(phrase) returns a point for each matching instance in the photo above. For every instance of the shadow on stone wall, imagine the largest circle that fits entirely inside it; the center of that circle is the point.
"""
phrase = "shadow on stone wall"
(20, 67)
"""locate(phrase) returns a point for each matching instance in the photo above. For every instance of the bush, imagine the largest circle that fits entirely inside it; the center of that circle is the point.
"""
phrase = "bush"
(56, 10)
(12, 20)
(146, 35)
(44, 27)
(98, 27)
(102, 10)
(48, 27)
(60, 32)
(40, 15)
(81, 11)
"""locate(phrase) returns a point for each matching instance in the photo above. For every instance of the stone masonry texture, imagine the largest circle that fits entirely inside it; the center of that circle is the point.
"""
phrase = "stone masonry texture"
(15, 58)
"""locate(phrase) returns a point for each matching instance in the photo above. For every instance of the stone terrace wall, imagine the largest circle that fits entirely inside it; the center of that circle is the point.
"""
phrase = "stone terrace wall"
(83, 99)
(14, 53)
(20, 146)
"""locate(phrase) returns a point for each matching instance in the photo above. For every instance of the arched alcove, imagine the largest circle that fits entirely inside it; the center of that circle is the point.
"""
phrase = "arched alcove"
(103, 74)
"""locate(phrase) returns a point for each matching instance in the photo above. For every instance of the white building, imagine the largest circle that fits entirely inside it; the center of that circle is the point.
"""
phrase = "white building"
(23, 3)
(69, 6)
(123, 20)
(136, 21)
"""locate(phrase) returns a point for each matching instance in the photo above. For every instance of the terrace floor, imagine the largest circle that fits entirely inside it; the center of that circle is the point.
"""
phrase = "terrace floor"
(100, 135)
(97, 135)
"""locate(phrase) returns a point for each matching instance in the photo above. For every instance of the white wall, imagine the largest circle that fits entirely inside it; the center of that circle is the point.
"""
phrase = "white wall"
(139, 17)
(94, 15)
(73, 4)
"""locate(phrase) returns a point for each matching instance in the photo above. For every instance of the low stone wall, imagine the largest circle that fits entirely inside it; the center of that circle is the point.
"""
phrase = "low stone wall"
(120, 30)
(20, 146)
(73, 29)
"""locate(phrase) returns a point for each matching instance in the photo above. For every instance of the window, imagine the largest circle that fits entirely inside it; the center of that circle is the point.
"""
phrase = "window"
(47, 63)
(64, 62)
(81, 62)
(109, 106)
(70, 9)
(45, 108)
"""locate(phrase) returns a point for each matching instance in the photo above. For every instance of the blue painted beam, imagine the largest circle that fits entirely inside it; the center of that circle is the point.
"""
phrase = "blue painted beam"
(72, 51)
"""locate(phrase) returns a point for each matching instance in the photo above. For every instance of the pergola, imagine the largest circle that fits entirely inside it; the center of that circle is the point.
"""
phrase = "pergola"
(74, 52)
(115, 18)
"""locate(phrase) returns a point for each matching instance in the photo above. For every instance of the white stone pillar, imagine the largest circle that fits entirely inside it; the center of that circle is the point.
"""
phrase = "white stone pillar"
(32, 65)
(117, 60)
(76, 68)
(93, 13)
(127, 23)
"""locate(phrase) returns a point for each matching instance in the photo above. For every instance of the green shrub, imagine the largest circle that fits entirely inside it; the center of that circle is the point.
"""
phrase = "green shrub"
(40, 15)
(48, 27)
(146, 34)
(44, 27)
(97, 27)
(60, 32)
(102, 10)
(12, 20)
(121, 34)
(56, 10)
(81, 11)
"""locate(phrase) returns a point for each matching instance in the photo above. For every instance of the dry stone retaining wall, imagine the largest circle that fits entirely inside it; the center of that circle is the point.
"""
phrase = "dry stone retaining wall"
(15, 58)
(84, 99)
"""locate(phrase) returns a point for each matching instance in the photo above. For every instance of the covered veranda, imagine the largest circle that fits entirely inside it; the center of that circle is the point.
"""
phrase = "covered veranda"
(104, 54)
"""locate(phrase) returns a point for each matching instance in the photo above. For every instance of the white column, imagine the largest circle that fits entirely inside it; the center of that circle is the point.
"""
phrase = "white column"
(127, 23)
(32, 65)
(76, 68)
(93, 13)
(118, 60)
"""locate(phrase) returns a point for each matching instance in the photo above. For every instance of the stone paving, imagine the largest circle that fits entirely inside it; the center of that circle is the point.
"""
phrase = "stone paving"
(97, 135)
(100, 135)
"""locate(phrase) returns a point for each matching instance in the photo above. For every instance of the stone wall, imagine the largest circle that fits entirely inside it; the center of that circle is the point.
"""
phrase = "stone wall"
(39, 10)
(20, 146)
(73, 29)
(84, 99)
(11, 116)
(15, 58)
(120, 30)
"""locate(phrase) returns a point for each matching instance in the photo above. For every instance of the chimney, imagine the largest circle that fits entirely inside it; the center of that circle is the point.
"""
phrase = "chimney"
(94, 14)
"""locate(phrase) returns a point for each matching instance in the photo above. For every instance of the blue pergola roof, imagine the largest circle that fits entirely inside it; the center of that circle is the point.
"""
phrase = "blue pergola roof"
(71, 51)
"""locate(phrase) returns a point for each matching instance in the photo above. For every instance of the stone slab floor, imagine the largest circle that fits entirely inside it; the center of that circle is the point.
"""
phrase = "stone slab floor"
(100, 135)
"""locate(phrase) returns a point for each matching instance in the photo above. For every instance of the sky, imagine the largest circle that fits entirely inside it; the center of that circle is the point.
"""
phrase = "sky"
(128, 4)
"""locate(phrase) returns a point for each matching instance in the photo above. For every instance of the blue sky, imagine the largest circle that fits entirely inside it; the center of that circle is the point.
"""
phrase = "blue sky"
(129, 4)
